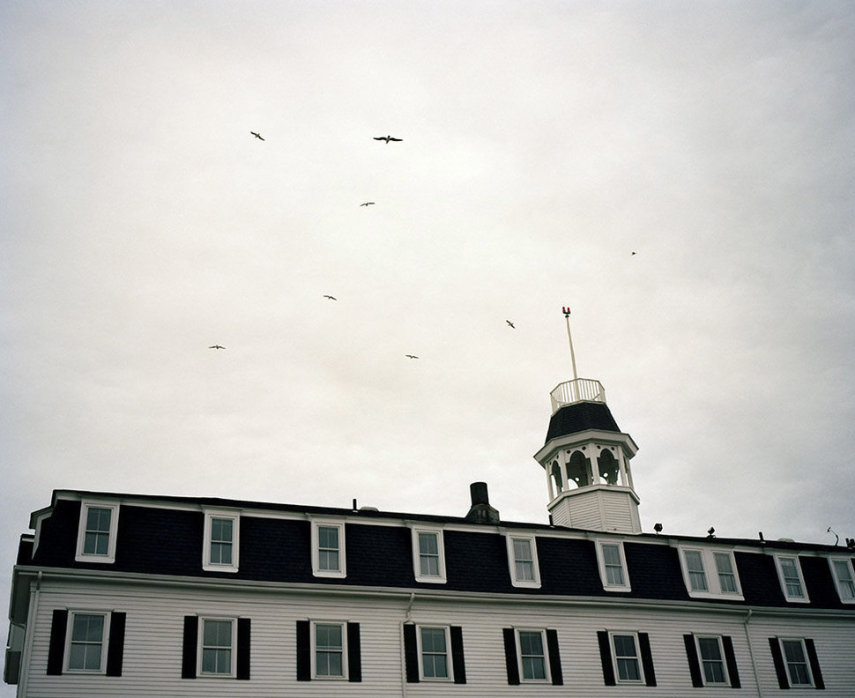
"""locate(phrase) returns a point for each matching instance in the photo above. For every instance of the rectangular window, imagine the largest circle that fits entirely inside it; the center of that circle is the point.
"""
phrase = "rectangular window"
(87, 633)
(726, 577)
(533, 666)
(222, 539)
(795, 658)
(695, 566)
(712, 660)
(328, 549)
(627, 664)
(216, 648)
(428, 555)
(613, 571)
(433, 653)
(522, 558)
(790, 575)
(843, 578)
(96, 535)
(724, 581)
(329, 651)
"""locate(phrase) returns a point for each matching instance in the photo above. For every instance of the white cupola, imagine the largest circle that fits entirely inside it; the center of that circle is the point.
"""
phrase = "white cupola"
(586, 460)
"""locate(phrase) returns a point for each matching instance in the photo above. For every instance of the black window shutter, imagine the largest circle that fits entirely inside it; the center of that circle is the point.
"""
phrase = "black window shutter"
(304, 651)
(606, 658)
(778, 661)
(694, 664)
(244, 642)
(56, 651)
(188, 655)
(116, 648)
(814, 663)
(457, 660)
(354, 653)
(554, 657)
(510, 638)
(730, 660)
(647, 659)
(411, 656)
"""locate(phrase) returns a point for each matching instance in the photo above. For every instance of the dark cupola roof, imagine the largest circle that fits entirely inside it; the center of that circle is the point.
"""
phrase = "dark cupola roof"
(581, 416)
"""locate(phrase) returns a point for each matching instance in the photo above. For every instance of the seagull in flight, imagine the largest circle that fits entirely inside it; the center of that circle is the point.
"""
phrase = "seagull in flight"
(411, 356)
(633, 254)
(511, 324)
(257, 135)
(387, 138)
(367, 203)
(216, 346)
(332, 298)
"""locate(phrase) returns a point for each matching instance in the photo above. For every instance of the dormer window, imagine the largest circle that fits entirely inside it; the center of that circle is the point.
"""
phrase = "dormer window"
(612, 564)
(328, 551)
(222, 541)
(710, 573)
(522, 561)
(841, 569)
(96, 534)
(428, 555)
(790, 576)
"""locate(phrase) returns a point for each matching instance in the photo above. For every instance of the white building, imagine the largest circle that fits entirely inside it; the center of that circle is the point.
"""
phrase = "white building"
(134, 595)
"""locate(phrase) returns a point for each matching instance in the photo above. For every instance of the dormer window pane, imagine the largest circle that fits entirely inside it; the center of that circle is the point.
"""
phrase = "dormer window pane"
(523, 560)
(429, 554)
(791, 577)
(726, 577)
(328, 547)
(613, 564)
(222, 537)
(695, 566)
(843, 571)
(97, 537)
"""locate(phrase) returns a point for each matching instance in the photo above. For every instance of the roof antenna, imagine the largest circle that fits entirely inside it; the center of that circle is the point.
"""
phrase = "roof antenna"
(566, 312)
(836, 537)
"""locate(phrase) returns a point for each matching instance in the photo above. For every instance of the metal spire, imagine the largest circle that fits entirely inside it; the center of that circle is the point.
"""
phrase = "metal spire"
(566, 312)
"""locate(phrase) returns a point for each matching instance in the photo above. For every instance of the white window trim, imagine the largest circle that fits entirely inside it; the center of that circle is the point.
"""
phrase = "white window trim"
(805, 654)
(110, 557)
(440, 542)
(448, 660)
(711, 572)
(199, 646)
(512, 568)
(105, 641)
(234, 516)
(837, 582)
(344, 663)
(718, 639)
(601, 561)
(632, 682)
(779, 566)
(341, 572)
(547, 668)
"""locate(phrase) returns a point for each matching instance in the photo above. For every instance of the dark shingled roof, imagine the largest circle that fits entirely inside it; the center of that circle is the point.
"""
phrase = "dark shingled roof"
(581, 416)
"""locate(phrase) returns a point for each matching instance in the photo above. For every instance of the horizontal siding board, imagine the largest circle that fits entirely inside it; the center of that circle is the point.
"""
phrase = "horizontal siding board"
(154, 632)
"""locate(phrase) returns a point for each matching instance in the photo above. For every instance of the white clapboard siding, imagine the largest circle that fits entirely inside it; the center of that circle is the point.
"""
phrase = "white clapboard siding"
(154, 636)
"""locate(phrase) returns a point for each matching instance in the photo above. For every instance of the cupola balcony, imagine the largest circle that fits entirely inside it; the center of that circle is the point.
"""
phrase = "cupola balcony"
(579, 390)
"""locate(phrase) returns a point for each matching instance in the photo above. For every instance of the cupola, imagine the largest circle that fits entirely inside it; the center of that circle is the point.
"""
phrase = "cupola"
(586, 459)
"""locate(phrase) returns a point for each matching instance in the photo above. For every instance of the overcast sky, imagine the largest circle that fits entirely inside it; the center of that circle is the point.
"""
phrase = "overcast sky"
(543, 144)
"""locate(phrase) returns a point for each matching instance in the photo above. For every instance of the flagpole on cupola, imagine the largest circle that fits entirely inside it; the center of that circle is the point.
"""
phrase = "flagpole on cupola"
(566, 312)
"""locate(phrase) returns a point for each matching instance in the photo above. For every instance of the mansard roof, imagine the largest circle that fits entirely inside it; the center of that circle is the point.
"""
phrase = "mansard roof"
(581, 416)
(162, 535)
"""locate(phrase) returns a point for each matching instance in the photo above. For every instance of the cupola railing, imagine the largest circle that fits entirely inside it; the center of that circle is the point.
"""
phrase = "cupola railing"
(579, 390)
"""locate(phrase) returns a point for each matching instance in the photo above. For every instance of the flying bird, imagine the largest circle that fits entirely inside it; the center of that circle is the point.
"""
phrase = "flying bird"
(633, 254)
(367, 203)
(387, 138)
(332, 298)
(510, 323)
(257, 135)
(410, 356)
(216, 346)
